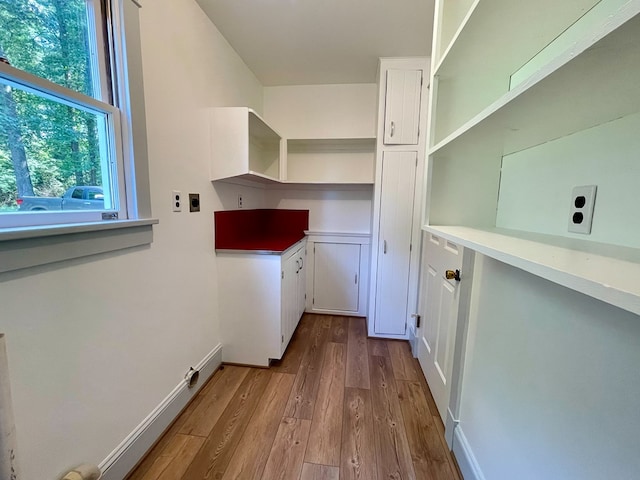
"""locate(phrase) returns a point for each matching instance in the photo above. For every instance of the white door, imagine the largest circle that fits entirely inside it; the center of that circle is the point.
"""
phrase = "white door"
(436, 336)
(394, 242)
(335, 276)
(402, 107)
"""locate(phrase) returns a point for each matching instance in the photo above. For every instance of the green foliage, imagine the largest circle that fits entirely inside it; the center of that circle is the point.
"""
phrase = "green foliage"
(48, 38)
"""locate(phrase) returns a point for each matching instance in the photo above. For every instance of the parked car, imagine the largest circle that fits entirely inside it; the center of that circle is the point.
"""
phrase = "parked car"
(75, 198)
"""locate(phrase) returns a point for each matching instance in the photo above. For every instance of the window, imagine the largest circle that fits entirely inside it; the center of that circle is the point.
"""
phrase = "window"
(62, 158)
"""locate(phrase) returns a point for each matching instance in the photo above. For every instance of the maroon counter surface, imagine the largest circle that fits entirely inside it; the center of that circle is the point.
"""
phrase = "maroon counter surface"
(266, 230)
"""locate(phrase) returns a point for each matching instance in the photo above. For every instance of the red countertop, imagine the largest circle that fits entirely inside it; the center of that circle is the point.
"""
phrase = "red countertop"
(270, 230)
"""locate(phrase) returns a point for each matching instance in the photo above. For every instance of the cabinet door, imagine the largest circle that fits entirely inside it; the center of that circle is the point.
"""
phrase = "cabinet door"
(394, 242)
(335, 276)
(289, 298)
(301, 284)
(402, 107)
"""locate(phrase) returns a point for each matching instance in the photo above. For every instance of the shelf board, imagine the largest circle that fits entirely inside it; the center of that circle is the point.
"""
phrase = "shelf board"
(251, 179)
(463, 27)
(504, 47)
(329, 184)
(606, 272)
(259, 128)
(361, 144)
(593, 82)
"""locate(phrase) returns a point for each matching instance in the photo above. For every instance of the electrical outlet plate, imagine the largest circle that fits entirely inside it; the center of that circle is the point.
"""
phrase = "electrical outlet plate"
(176, 201)
(239, 200)
(194, 202)
(583, 200)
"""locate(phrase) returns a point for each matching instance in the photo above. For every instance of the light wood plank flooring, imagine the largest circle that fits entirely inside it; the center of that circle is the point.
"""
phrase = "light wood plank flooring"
(338, 406)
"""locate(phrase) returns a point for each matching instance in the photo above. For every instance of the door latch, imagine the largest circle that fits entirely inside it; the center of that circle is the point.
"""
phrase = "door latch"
(452, 275)
(417, 317)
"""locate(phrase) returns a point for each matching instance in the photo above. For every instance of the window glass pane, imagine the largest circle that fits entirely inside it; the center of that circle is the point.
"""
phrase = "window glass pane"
(54, 39)
(49, 148)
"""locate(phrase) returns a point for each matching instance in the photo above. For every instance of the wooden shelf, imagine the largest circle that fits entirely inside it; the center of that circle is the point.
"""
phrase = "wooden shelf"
(594, 82)
(603, 271)
(473, 75)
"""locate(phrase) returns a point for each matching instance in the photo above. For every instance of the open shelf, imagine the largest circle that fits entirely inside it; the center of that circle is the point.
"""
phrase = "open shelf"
(594, 82)
(331, 160)
(603, 271)
(243, 145)
(473, 75)
(453, 18)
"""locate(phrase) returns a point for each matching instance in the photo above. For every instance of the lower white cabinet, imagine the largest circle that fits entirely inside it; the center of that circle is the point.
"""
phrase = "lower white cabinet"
(336, 276)
(338, 273)
(261, 300)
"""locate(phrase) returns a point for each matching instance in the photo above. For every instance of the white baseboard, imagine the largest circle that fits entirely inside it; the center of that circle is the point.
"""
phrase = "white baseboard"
(450, 428)
(120, 462)
(465, 457)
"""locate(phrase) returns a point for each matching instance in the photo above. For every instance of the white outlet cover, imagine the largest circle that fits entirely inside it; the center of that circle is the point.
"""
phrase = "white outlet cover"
(583, 200)
(176, 201)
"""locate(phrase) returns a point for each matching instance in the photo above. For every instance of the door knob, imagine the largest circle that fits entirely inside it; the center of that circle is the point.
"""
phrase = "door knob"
(451, 275)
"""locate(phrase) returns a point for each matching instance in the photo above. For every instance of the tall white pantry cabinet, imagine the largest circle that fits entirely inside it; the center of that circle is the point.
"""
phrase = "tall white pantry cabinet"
(398, 191)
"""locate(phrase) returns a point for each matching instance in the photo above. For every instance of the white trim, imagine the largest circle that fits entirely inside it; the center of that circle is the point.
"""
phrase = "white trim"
(338, 237)
(449, 428)
(127, 455)
(8, 464)
(465, 457)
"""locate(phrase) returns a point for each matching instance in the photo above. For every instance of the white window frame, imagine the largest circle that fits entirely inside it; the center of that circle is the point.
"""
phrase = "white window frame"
(25, 246)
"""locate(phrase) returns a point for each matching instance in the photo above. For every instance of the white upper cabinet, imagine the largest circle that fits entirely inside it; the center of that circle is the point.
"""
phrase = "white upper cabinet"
(402, 107)
(243, 146)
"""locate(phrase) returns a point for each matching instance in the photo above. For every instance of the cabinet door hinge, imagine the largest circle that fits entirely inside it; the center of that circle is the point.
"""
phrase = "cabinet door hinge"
(314, 249)
(282, 338)
(313, 302)
(410, 247)
(282, 274)
(305, 296)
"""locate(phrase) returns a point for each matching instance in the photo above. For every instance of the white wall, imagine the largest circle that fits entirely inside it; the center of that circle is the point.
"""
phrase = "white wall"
(325, 111)
(322, 111)
(346, 210)
(94, 345)
(536, 184)
(551, 381)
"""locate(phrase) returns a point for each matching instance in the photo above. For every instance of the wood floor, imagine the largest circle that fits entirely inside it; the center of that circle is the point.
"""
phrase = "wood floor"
(337, 406)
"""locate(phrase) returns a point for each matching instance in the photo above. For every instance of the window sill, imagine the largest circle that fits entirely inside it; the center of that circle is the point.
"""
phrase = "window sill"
(32, 246)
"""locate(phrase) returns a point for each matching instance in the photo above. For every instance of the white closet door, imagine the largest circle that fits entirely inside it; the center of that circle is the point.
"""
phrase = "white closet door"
(394, 242)
(402, 107)
(335, 276)
(438, 331)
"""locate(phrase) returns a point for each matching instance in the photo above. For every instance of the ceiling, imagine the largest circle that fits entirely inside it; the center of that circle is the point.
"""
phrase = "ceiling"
(310, 42)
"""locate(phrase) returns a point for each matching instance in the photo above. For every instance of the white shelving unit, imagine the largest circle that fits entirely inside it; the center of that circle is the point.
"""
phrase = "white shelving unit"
(549, 71)
(243, 146)
(330, 160)
(245, 149)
